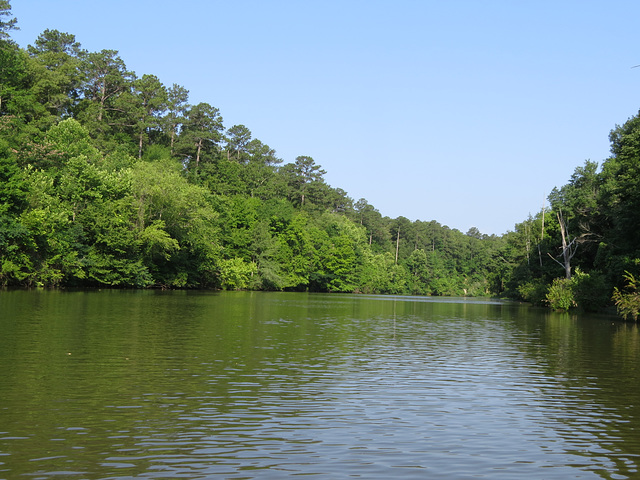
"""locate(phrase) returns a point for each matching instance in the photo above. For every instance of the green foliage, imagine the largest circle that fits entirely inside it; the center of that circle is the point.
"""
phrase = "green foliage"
(560, 296)
(16, 97)
(584, 290)
(627, 301)
(590, 290)
(16, 246)
(70, 137)
(236, 274)
(338, 244)
(54, 69)
(533, 291)
(111, 179)
(183, 223)
(200, 136)
(156, 152)
(9, 23)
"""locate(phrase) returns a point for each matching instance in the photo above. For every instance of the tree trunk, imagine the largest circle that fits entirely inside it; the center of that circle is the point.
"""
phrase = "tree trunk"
(568, 247)
(566, 250)
(103, 99)
(198, 153)
(541, 234)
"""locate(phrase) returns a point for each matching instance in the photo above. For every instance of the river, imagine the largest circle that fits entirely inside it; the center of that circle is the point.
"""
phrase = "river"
(154, 384)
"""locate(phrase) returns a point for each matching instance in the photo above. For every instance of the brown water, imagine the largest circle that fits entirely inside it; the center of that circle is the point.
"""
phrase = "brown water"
(148, 384)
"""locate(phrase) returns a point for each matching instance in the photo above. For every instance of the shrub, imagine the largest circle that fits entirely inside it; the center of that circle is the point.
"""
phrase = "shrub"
(235, 273)
(560, 295)
(628, 302)
(589, 290)
(533, 291)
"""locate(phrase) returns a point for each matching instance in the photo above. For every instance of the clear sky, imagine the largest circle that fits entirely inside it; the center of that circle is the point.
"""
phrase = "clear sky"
(464, 112)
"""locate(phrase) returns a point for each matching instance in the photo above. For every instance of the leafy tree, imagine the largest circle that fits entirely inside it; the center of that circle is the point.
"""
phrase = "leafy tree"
(16, 97)
(371, 219)
(150, 102)
(377, 273)
(339, 245)
(265, 253)
(627, 301)
(6, 22)
(238, 138)
(262, 154)
(301, 174)
(177, 106)
(72, 139)
(620, 202)
(105, 79)
(12, 188)
(201, 134)
(15, 241)
(56, 71)
(237, 216)
(295, 251)
(590, 290)
(236, 274)
(420, 274)
(166, 202)
(260, 180)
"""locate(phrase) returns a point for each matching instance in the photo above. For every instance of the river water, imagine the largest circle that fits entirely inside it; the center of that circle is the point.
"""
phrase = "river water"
(151, 384)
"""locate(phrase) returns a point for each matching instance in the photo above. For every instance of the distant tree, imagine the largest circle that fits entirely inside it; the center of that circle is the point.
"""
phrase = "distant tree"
(56, 43)
(105, 79)
(6, 24)
(15, 81)
(301, 175)
(151, 101)
(177, 106)
(55, 71)
(371, 219)
(238, 138)
(201, 132)
(261, 153)
(475, 233)
(621, 187)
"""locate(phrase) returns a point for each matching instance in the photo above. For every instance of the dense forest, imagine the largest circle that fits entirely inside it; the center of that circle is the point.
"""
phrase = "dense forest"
(111, 179)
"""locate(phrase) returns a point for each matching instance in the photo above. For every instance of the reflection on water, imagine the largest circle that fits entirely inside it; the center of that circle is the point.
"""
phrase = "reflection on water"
(267, 385)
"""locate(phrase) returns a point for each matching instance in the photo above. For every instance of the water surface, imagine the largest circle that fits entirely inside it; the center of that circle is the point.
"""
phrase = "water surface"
(150, 384)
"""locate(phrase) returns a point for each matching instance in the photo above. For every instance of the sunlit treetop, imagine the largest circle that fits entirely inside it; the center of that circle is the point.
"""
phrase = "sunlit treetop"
(7, 23)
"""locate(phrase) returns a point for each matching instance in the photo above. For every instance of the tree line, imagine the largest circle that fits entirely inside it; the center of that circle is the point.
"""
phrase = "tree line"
(111, 179)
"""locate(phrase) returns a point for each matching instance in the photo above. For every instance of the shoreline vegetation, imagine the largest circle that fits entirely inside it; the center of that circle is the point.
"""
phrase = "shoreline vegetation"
(109, 179)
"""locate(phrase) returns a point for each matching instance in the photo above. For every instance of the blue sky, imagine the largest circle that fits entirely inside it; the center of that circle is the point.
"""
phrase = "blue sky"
(463, 112)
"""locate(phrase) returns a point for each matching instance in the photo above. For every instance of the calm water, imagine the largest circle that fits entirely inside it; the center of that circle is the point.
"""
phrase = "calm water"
(148, 384)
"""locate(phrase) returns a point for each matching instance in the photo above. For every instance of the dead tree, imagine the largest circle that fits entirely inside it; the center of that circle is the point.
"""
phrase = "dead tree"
(569, 247)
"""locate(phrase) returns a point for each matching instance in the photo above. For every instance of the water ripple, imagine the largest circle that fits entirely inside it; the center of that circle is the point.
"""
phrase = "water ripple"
(458, 391)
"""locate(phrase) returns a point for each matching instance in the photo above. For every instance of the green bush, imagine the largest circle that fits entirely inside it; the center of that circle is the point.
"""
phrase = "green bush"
(533, 291)
(628, 302)
(235, 273)
(560, 295)
(590, 290)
